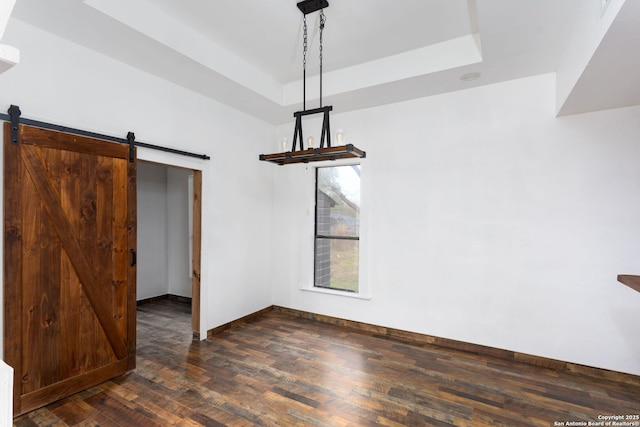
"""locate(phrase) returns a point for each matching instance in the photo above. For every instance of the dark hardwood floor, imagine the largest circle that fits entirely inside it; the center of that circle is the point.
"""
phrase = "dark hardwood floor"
(283, 371)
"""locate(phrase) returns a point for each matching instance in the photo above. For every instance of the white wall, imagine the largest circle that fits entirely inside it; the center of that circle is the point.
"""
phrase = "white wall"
(178, 262)
(153, 254)
(6, 395)
(64, 83)
(485, 219)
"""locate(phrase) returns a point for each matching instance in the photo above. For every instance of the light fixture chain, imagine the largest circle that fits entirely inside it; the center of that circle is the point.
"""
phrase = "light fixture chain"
(304, 66)
(322, 21)
(304, 44)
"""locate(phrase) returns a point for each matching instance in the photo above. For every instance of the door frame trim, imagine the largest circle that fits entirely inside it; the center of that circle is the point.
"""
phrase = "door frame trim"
(196, 259)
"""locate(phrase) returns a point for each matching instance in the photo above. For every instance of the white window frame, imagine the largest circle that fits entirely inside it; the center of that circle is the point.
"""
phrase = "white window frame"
(364, 290)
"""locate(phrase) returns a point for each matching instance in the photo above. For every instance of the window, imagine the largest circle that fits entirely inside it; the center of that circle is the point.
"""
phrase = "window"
(337, 228)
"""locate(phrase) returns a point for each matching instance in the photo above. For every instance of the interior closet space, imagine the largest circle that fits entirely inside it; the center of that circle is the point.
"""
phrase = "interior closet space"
(165, 231)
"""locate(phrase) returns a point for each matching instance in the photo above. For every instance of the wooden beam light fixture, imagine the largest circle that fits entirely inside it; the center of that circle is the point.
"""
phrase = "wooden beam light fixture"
(325, 151)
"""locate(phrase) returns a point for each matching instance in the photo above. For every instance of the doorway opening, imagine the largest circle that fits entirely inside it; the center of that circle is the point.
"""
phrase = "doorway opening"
(169, 236)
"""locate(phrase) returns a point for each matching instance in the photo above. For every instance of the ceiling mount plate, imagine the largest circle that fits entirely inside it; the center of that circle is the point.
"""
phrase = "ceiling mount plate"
(309, 6)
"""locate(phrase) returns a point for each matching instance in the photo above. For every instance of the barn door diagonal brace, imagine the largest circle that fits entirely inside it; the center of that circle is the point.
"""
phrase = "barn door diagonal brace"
(14, 115)
(91, 284)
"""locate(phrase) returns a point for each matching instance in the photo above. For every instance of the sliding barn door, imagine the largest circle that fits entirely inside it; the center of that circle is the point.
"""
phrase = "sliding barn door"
(69, 255)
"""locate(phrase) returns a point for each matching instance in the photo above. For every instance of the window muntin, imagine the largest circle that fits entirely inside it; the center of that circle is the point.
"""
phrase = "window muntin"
(337, 228)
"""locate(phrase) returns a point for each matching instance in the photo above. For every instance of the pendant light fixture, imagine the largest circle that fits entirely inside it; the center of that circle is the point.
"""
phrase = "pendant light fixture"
(325, 151)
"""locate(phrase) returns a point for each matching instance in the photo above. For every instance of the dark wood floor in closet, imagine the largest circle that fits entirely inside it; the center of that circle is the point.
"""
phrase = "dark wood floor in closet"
(283, 371)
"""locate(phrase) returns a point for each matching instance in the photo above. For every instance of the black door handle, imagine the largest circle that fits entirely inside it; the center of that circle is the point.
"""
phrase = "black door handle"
(134, 258)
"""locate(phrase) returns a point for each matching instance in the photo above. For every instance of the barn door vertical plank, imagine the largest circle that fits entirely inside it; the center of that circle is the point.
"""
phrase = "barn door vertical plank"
(50, 254)
(72, 305)
(104, 234)
(12, 250)
(120, 253)
(104, 218)
(88, 236)
(132, 233)
(32, 287)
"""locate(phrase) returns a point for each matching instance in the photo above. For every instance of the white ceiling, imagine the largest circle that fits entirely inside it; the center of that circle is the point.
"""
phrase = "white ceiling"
(269, 34)
(248, 53)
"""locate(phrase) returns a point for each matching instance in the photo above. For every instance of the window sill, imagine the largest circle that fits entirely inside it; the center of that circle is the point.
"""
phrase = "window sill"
(337, 293)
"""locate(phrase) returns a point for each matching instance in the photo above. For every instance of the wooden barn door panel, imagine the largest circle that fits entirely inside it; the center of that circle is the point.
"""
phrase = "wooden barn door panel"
(69, 283)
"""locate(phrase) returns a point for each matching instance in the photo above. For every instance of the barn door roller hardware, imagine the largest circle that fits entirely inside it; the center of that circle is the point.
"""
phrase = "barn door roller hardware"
(131, 139)
(323, 152)
(14, 117)
(14, 113)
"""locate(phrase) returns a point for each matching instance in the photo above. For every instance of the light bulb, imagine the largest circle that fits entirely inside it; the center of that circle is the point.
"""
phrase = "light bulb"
(340, 137)
(284, 144)
(310, 142)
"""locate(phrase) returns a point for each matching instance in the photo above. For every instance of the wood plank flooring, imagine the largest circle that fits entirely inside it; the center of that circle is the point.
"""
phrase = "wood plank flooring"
(283, 371)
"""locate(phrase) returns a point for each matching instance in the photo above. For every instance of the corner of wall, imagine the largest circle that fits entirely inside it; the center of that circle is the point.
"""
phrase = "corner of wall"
(9, 56)
(591, 25)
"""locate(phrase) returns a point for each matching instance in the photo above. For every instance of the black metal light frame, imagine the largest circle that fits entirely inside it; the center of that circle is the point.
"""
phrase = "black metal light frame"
(313, 154)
